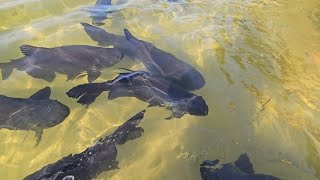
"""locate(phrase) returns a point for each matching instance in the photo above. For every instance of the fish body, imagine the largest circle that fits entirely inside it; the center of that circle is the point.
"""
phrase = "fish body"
(35, 113)
(242, 169)
(154, 89)
(100, 157)
(72, 61)
(155, 60)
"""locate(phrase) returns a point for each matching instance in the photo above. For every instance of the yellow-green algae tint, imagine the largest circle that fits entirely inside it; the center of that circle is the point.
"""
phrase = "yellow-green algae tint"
(260, 60)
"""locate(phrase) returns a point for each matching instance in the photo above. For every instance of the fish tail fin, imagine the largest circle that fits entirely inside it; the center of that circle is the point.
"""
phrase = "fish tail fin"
(6, 69)
(87, 93)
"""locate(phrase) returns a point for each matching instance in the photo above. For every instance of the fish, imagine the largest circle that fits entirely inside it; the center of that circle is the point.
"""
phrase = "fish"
(35, 113)
(71, 60)
(154, 59)
(98, 13)
(241, 169)
(105, 38)
(100, 157)
(102, 8)
(153, 89)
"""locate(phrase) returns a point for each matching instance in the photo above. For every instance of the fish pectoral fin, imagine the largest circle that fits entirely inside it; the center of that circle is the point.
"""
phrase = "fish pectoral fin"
(27, 50)
(119, 92)
(72, 76)
(38, 136)
(153, 103)
(42, 94)
(42, 74)
(93, 75)
(175, 114)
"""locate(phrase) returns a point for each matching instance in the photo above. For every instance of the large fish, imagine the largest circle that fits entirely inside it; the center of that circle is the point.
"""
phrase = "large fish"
(105, 38)
(100, 157)
(156, 61)
(35, 113)
(71, 60)
(155, 90)
(241, 169)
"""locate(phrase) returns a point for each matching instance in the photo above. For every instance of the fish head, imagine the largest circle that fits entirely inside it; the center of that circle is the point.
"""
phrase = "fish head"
(191, 79)
(54, 113)
(198, 106)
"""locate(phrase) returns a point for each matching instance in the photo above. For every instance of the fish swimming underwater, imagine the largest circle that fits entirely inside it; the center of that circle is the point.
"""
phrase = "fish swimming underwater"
(241, 170)
(96, 159)
(35, 113)
(156, 61)
(105, 38)
(72, 61)
(98, 13)
(155, 90)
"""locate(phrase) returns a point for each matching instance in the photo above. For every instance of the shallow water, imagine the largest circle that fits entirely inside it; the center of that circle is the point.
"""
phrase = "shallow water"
(260, 60)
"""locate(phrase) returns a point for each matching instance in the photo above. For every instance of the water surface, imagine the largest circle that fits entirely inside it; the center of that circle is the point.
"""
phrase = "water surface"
(260, 60)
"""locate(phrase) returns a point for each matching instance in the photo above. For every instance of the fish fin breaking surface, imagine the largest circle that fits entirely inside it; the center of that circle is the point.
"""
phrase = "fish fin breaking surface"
(42, 94)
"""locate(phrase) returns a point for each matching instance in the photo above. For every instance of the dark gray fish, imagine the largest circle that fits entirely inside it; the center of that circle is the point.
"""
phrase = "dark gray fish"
(242, 169)
(96, 159)
(107, 39)
(98, 13)
(156, 61)
(35, 113)
(72, 60)
(155, 90)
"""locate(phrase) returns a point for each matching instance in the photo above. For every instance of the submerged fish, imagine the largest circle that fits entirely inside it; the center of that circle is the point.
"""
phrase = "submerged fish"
(35, 113)
(156, 61)
(242, 169)
(96, 159)
(105, 38)
(71, 60)
(98, 13)
(155, 90)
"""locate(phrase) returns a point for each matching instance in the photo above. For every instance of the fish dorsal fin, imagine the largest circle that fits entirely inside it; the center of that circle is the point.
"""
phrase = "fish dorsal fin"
(42, 94)
(128, 35)
(244, 164)
(27, 50)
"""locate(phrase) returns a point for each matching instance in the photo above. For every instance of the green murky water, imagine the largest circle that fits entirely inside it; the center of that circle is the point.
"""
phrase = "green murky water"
(260, 60)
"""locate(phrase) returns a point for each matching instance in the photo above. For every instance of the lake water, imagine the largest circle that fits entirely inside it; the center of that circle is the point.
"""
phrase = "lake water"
(260, 60)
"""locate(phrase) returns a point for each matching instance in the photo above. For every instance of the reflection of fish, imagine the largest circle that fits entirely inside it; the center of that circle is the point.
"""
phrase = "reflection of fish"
(99, 12)
(241, 170)
(35, 113)
(70, 60)
(156, 61)
(90, 163)
(155, 90)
